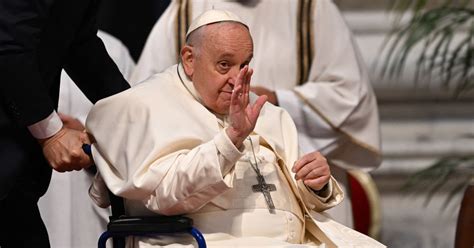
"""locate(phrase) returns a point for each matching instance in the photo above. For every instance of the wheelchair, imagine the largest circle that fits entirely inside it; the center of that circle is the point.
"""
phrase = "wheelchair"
(120, 226)
(365, 201)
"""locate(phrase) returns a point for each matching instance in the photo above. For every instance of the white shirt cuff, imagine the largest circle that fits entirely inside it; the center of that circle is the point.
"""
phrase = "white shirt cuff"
(228, 150)
(47, 127)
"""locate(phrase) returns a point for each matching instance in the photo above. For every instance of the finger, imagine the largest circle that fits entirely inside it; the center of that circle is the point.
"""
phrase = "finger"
(242, 75)
(247, 84)
(86, 162)
(234, 98)
(317, 183)
(59, 169)
(257, 107)
(301, 162)
(307, 158)
(249, 78)
(81, 161)
(62, 165)
(243, 80)
(246, 88)
(314, 168)
(304, 171)
(76, 157)
(246, 78)
(85, 138)
(56, 167)
(238, 79)
(317, 171)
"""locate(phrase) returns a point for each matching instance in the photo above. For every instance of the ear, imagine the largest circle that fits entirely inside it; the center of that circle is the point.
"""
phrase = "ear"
(187, 58)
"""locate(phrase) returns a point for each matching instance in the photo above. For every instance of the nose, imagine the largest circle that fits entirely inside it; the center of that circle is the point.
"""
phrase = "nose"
(233, 73)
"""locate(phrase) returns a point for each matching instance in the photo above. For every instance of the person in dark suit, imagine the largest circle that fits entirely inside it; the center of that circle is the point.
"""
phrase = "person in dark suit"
(38, 38)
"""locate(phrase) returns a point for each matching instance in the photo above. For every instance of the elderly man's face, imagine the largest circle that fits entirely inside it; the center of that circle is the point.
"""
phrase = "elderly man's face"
(225, 49)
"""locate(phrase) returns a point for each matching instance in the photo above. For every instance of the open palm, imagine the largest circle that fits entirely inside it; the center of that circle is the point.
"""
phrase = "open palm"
(243, 115)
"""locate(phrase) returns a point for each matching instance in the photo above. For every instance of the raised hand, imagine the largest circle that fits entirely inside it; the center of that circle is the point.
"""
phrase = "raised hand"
(313, 169)
(243, 115)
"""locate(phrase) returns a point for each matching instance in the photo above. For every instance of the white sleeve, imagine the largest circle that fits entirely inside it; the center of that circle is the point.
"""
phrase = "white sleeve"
(337, 79)
(195, 177)
(331, 196)
(141, 158)
(47, 127)
(336, 108)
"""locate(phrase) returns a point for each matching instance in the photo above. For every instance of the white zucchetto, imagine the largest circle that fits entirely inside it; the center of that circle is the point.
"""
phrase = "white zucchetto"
(213, 16)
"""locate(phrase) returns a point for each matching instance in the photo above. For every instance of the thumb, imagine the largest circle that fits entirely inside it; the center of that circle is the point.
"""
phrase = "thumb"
(257, 107)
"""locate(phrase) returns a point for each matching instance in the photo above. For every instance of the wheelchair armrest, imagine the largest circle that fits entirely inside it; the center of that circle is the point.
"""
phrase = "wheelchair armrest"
(150, 224)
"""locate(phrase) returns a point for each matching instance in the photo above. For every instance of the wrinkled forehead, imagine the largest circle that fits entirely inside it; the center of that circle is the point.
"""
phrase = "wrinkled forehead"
(225, 29)
(226, 36)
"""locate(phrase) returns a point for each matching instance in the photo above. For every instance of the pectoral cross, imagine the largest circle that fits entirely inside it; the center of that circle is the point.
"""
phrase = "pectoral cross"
(265, 188)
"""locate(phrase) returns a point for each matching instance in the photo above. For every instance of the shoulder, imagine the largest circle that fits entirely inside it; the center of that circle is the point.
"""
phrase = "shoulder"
(156, 87)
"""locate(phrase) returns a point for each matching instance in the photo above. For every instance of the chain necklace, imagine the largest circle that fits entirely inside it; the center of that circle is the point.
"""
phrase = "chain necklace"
(262, 186)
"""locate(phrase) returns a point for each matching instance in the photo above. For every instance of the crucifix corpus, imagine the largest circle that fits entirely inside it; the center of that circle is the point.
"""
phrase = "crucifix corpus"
(265, 189)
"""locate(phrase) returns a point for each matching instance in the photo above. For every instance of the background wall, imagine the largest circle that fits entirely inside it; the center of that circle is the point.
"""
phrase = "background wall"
(420, 124)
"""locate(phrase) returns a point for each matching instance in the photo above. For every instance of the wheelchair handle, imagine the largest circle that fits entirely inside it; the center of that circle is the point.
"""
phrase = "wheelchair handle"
(87, 148)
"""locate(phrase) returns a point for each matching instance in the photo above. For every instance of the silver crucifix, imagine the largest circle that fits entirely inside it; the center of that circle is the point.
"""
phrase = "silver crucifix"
(265, 188)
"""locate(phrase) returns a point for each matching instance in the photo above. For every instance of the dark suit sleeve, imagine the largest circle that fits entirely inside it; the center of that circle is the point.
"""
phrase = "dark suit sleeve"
(21, 85)
(88, 63)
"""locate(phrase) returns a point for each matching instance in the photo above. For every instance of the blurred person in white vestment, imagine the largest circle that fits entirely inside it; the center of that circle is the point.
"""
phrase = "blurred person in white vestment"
(307, 62)
(71, 218)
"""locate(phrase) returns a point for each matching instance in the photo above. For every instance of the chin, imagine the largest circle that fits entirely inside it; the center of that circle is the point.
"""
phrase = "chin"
(222, 110)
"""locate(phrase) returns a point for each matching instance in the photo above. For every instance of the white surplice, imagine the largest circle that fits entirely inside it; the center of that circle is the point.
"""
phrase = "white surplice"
(333, 104)
(162, 150)
(71, 218)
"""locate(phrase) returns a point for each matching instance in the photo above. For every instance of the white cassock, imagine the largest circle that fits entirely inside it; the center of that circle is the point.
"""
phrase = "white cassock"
(305, 52)
(71, 218)
(162, 150)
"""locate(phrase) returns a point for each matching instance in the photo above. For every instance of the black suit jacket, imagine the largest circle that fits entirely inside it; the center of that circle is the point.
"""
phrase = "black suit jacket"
(38, 38)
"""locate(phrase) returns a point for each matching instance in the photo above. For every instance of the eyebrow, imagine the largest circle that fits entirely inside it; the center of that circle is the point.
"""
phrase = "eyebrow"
(230, 55)
(225, 55)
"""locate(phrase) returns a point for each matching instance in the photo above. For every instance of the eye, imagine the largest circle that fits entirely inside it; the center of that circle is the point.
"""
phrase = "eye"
(244, 64)
(224, 65)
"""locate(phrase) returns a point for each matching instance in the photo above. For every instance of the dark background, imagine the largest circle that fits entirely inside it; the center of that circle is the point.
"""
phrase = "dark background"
(130, 21)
